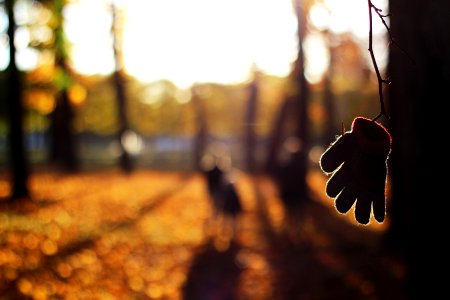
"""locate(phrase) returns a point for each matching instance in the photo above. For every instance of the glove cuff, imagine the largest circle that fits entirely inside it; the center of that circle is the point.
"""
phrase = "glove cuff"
(371, 137)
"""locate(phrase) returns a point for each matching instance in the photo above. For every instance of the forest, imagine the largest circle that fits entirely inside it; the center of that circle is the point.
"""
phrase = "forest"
(220, 149)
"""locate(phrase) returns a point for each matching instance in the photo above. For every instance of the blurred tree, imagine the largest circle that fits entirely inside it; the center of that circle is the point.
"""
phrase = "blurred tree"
(125, 161)
(250, 137)
(56, 80)
(18, 160)
(63, 143)
(422, 28)
(298, 164)
(328, 96)
(3, 103)
(291, 173)
(201, 136)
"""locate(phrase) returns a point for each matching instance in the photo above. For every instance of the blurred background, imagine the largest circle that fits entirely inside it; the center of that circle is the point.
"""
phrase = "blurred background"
(169, 149)
(185, 72)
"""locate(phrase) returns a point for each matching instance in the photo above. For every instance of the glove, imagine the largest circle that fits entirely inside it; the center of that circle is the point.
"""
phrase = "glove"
(357, 161)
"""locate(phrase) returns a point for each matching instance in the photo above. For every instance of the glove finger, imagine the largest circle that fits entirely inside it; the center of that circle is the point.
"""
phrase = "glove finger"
(373, 181)
(362, 210)
(337, 182)
(345, 200)
(336, 154)
(379, 207)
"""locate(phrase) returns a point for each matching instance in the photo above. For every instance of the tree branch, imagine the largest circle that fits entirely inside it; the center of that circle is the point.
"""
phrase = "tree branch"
(374, 62)
(381, 81)
(391, 39)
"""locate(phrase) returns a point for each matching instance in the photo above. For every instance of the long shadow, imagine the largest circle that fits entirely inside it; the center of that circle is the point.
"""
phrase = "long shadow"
(324, 257)
(24, 205)
(214, 274)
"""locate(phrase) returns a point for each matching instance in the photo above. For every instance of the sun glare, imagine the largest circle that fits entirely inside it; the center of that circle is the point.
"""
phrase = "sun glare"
(196, 41)
(339, 17)
(317, 57)
(186, 41)
(88, 29)
(352, 16)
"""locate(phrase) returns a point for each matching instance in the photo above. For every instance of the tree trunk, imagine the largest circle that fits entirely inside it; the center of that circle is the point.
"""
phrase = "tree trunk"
(300, 158)
(18, 160)
(125, 161)
(64, 144)
(125, 158)
(422, 28)
(201, 136)
(291, 176)
(329, 100)
(63, 138)
(250, 138)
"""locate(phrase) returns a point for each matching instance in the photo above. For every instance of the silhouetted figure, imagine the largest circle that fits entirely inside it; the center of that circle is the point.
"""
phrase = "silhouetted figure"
(287, 175)
(232, 203)
(64, 142)
(225, 200)
(291, 190)
(214, 179)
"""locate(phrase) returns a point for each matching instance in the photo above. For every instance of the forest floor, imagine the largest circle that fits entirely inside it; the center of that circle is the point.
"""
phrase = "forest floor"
(150, 235)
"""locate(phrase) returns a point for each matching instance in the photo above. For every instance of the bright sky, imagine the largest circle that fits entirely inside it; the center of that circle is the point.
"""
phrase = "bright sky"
(186, 41)
(342, 16)
(199, 40)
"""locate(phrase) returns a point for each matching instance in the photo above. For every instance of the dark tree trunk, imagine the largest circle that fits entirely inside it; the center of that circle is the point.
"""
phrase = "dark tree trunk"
(328, 100)
(64, 147)
(201, 136)
(64, 143)
(125, 158)
(18, 160)
(125, 161)
(422, 28)
(250, 119)
(300, 158)
(330, 131)
(291, 175)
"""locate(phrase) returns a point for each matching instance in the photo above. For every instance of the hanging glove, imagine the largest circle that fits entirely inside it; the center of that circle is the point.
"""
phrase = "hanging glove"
(357, 161)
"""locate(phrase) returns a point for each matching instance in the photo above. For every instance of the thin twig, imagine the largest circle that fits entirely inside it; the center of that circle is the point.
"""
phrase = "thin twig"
(381, 81)
(374, 62)
(391, 38)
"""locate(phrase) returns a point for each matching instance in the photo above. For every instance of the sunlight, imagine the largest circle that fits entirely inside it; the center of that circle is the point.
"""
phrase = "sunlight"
(132, 142)
(352, 16)
(317, 57)
(193, 41)
(339, 17)
(88, 28)
(201, 41)
(186, 41)
(4, 52)
(319, 16)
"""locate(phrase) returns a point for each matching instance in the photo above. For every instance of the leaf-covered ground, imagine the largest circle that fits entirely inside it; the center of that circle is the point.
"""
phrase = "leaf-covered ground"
(150, 235)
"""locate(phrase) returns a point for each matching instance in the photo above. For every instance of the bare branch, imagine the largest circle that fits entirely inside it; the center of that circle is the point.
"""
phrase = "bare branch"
(374, 61)
(381, 81)
(391, 39)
